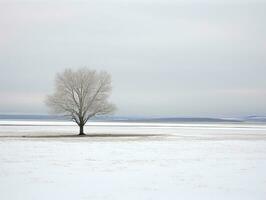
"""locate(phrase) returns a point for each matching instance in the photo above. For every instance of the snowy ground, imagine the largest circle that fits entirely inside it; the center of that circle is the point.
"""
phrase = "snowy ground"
(190, 161)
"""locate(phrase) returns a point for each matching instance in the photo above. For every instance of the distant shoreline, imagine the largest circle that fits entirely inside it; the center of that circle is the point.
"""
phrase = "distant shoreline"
(137, 119)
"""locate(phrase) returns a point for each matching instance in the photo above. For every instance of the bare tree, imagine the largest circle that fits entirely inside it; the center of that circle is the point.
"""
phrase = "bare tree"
(81, 94)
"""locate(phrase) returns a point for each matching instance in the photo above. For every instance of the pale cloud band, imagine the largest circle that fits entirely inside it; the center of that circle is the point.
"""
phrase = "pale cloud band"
(195, 57)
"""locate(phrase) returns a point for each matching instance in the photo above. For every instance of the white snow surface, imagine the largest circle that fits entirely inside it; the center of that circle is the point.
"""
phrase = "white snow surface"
(188, 161)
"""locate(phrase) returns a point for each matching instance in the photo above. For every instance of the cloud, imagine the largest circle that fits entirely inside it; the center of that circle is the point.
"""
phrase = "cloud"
(166, 57)
(18, 102)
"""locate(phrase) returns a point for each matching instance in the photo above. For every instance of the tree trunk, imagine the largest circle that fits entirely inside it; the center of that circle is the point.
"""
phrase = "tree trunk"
(81, 132)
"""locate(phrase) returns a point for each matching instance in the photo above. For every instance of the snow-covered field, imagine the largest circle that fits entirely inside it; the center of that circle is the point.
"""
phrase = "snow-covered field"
(188, 161)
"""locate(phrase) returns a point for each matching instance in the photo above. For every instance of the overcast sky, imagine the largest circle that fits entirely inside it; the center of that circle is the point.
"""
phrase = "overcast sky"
(166, 57)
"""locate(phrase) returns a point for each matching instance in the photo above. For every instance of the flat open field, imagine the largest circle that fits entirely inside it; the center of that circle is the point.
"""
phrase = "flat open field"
(132, 161)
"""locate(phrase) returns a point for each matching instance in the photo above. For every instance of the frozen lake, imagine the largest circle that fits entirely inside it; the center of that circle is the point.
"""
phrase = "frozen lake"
(187, 161)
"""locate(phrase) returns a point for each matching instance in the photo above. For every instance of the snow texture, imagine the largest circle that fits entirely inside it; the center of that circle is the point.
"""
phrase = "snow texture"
(189, 161)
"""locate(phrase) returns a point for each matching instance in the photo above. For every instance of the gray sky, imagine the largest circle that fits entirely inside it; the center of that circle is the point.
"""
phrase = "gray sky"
(166, 57)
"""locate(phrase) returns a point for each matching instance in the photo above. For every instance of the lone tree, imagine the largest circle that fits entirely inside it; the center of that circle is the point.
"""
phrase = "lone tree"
(81, 94)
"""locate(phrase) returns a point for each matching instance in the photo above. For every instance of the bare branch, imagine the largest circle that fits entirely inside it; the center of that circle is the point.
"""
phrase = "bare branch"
(81, 94)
